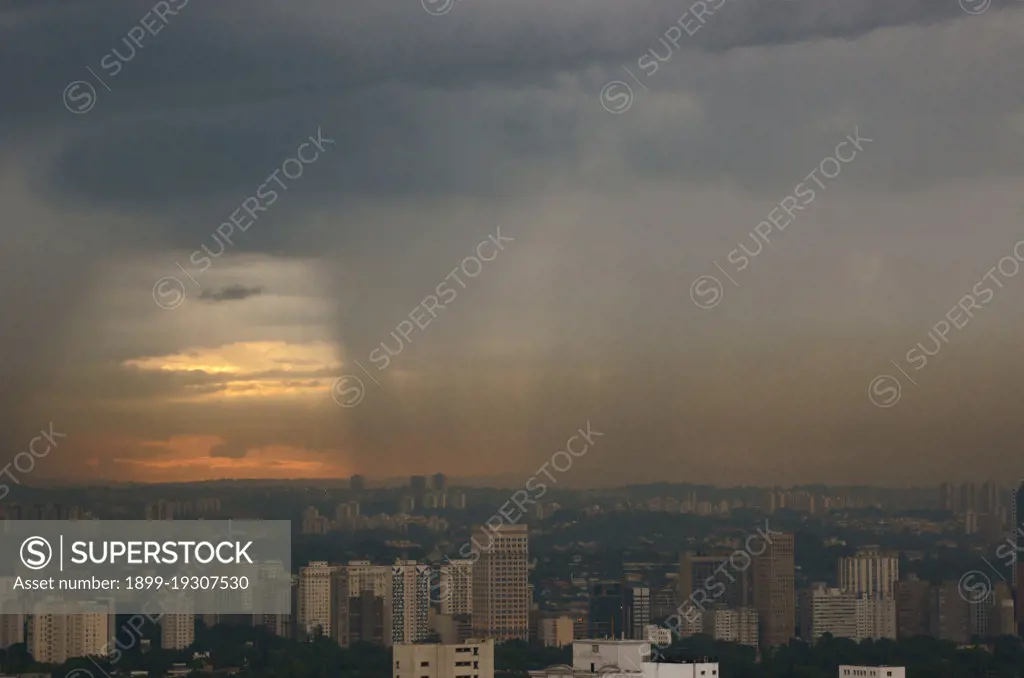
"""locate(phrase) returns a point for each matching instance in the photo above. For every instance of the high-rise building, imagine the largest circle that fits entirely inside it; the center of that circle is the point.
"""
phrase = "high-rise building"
(12, 630)
(177, 631)
(949, 613)
(472, 659)
(456, 587)
(876, 618)
(410, 601)
(365, 576)
(368, 619)
(774, 596)
(732, 625)
(356, 483)
(641, 613)
(501, 598)
(704, 573)
(55, 638)
(824, 610)
(315, 587)
(439, 482)
(870, 573)
(913, 604)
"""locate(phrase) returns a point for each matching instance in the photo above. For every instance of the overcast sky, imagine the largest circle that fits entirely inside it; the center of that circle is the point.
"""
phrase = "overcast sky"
(624, 161)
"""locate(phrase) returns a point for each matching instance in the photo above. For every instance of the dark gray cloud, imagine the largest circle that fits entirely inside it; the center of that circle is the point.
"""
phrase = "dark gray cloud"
(232, 293)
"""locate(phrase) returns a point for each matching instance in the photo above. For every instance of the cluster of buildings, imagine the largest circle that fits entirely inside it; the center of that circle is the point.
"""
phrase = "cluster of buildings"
(53, 636)
(484, 596)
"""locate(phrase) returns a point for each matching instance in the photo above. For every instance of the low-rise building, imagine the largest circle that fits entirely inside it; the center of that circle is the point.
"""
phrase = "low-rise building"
(472, 659)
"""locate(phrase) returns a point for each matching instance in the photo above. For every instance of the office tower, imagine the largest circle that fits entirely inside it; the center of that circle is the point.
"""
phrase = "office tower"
(968, 497)
(455, 590)
(641, 613)
(407, 504)
(774, 597)
(356, 483)
(410, 601)
(948, 613)
(970, 522)
(501, 599)
(314, 614)
(440, 482)
(913, 604)
(707, 574)
(824, 610)
(732, 625)
(473, 659)
(948, 500)
(870, 572)
(177, 631)
(418, 485)
(55, 638)
(611, 610)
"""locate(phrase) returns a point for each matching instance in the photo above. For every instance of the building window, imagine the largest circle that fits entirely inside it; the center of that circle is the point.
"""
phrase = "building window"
(424, 663)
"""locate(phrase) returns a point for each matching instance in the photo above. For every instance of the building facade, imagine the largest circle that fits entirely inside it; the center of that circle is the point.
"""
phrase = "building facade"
(472, 659)
(410, 601)
(501, 598)
(774, 595)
